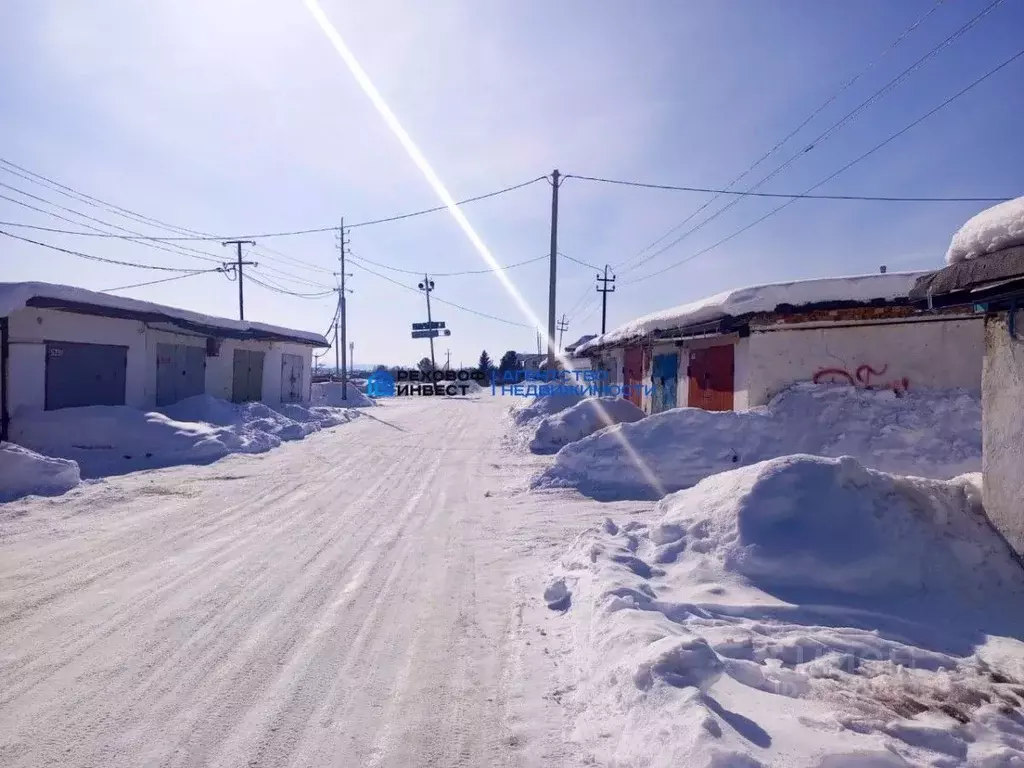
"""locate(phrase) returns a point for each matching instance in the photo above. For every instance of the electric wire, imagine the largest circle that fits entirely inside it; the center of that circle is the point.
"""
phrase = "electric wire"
(440, 300)
(162, 280)
(797, 195)
(91, 257)
(831, 176)
(817, 141)
(265, 235)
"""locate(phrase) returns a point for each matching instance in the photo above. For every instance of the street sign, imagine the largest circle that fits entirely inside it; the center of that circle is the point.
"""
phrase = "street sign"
(425, 334)
(428, 326)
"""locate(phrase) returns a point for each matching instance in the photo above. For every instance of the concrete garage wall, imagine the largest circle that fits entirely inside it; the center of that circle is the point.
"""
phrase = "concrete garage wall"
(1003, 429)
(941, 354)
(31, 328)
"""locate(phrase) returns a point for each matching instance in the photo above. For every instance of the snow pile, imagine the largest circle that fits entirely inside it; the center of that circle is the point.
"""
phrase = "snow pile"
(580, 420)
(763, 298)
(527, 411)
(107, 440)
(24, 472)
(928, 433)
(329, 393)
(801, 612)
(995, 228)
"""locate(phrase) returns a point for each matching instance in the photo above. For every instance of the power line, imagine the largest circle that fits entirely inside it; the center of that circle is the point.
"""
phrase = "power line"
(265, 282)
(567, 256)
(831, 176)
(848, 117)
(80, 196)
(445, 207)
(178, 249)
(448, 274)
(442, 301)
(290, 233)
(96, 258)
(161, 280)
(727, 191)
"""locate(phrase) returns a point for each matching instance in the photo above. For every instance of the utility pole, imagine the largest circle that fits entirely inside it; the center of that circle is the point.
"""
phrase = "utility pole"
(340, 348)
(448, 360)
(352, 356)
(604, 291)
(427, 286)
(555, 176)
(563, 326)
(237, 266)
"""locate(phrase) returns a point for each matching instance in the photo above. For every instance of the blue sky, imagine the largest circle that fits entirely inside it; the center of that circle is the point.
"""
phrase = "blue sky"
(238, 116)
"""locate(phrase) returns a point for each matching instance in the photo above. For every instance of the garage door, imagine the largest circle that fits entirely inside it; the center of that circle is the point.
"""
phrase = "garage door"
(291, 378)
(180, 372)
(84, 374)
(247, 378)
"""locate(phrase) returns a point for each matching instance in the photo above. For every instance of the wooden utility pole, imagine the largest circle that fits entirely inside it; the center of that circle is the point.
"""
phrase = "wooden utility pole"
(604, 291)
(343, 363)
(237, 267)
(563, 326)
(555, 176)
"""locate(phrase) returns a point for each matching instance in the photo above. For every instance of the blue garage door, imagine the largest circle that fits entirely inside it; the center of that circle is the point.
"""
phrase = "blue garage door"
(84, 374)
(664, 374)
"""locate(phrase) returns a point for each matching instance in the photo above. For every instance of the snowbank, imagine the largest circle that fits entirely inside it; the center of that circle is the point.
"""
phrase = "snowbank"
(995, 228)
(802, 612)
(763, 298)
(107, 440)
(24, 472)
(530, 410)
(928, 433)
(329, 393)
(580, 420)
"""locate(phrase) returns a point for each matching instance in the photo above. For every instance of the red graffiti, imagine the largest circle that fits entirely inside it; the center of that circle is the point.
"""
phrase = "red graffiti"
(860, 378)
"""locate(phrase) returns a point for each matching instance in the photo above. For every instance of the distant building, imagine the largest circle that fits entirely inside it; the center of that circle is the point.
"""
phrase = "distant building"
(65, 347)
(530, 361)
(738, 349)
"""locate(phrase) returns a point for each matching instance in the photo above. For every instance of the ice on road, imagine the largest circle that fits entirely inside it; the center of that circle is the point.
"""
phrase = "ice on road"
(354, 600)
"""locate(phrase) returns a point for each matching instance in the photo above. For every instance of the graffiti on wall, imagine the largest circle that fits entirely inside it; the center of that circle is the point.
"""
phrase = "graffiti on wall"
(861, 377)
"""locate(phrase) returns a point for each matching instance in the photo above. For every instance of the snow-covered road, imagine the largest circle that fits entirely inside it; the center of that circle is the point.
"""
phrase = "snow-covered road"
(356, 599)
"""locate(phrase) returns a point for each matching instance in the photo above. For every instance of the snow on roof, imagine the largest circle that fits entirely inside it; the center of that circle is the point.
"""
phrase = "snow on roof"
(995, 228)
(581, 340)
(15, 296)
(763, 298)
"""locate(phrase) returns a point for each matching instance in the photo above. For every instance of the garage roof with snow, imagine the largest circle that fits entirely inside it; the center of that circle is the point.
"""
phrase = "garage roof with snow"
(67, 298)
(802, 295)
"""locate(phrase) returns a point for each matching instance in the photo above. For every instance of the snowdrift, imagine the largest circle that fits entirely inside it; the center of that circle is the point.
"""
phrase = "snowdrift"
(530, 410)
(928, 433)
(800, 612)
(106, 440)
(24, 473)
(580, 420)
(329, 393)
(995, 228)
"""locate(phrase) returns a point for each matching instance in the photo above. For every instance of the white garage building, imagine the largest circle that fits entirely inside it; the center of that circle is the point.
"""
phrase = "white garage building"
(738, 349)
(65, 347)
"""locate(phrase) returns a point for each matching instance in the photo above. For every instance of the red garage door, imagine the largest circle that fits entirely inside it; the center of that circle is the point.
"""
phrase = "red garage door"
(711, 378)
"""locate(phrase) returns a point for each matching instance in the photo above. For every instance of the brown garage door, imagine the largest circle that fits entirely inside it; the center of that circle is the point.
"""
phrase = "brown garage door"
(711, 378)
